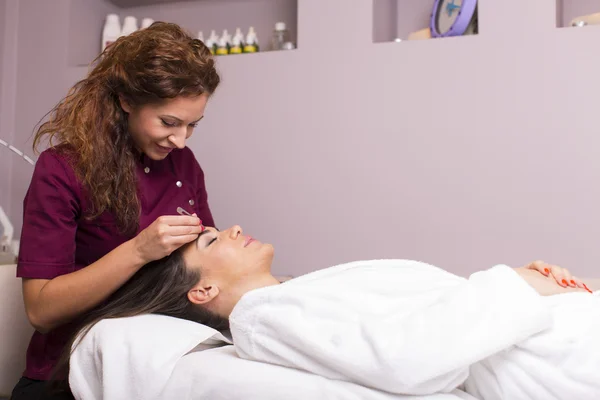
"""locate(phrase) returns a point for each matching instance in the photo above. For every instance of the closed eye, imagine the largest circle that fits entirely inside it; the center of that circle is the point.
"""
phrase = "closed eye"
(202, 243)
(167, 124)
(171, 121)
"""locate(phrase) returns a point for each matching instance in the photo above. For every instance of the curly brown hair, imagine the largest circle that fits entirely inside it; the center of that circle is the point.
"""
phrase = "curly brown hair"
(146, 67)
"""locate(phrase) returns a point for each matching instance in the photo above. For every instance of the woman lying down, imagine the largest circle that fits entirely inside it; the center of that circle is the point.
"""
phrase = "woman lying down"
(400, 326)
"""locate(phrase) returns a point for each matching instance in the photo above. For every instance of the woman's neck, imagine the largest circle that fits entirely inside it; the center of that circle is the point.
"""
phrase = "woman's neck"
(225, 306)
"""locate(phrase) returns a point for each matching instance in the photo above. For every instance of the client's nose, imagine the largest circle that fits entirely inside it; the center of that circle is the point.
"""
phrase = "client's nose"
(235, 231)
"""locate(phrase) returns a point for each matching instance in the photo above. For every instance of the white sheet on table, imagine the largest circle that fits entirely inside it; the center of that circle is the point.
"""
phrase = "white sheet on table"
(132, 358)
(219, 374)
(155, 357)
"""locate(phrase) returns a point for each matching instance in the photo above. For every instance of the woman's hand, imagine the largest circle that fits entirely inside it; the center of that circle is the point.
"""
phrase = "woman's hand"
(558, 275)
(562, 276)
(166, 235)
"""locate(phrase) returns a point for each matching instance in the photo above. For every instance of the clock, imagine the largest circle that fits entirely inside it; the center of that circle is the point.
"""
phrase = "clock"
(453, 18)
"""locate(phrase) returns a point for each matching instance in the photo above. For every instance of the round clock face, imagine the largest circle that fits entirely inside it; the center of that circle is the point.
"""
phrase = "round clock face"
(447, 13)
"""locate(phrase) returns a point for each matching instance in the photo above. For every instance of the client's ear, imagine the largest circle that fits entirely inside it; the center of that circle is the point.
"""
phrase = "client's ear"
(201, 294)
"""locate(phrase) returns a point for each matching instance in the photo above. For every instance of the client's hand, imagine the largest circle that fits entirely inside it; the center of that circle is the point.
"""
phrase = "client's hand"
(562, 276)
(549, 279)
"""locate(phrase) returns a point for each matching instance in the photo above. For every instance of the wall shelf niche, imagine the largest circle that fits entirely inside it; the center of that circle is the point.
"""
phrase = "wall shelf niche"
(577, 13)
(88, 17)
(399, 20)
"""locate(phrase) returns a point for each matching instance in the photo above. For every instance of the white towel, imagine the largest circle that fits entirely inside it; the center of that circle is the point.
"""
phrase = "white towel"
(395, 325)
(132, 358)
(561, 363)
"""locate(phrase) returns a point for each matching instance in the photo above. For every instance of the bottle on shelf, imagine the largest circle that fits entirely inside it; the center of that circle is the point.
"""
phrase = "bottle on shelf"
(237, 43)
(251, 45)
(129, 25)
(212, 42)
(111, 31)
(280, 37)
(224, 44)
(146, 22)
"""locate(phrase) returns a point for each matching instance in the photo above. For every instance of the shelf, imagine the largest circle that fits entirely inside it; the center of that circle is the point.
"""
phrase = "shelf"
(87, 19)
(395, 20)
(140, 3)
(569, 12)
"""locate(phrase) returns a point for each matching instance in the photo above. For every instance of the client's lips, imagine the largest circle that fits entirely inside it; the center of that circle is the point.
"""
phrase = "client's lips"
(248, 241)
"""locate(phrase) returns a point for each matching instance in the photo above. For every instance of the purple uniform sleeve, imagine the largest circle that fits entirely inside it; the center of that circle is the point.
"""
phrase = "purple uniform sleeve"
(50, 214)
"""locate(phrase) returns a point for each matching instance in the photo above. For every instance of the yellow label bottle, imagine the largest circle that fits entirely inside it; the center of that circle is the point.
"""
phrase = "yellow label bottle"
(224, 44)
(251, 45)
(237, 44)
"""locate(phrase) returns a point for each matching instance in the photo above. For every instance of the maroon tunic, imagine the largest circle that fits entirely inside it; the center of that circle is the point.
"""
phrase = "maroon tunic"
(57, 240)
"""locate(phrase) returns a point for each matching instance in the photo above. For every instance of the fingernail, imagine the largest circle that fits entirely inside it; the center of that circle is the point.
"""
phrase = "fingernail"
(547, 271)
(564, 281)
(586, 288)
(573, 282)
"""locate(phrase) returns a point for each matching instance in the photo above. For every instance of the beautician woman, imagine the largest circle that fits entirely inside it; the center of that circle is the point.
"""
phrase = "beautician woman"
(104, 196)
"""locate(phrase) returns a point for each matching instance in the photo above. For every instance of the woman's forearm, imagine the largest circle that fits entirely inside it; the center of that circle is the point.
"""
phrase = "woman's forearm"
(51, 303)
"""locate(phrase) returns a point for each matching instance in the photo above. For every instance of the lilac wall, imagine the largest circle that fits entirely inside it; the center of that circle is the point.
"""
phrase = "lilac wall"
(386, 28)
(462, 152)
(4, 161)
(412, 16)
(39, 79)
(8, 66)
(2, 36)
(87, 16)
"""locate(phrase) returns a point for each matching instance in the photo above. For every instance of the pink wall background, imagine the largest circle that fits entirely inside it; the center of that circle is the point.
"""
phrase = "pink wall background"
(2, 33)
(386, 15)
(4, 161)
(462, 152)
(411, 16)
(7, 93)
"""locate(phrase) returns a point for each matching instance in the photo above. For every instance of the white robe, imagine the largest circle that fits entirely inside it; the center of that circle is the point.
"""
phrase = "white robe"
(411, 328)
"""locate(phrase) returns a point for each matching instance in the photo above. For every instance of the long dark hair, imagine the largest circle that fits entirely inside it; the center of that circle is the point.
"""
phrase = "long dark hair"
(160, 287)
(146, 67)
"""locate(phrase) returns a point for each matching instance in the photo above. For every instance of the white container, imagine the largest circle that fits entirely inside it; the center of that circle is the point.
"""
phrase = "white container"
(239, 36)
(146, 22)
(280, 36)
(200, 36)
(129, 25)
(111, 31)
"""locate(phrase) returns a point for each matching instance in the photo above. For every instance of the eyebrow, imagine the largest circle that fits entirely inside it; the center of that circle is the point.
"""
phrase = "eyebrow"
(179, 119)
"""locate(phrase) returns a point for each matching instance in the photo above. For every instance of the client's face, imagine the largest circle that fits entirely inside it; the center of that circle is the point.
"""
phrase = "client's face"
(226, 257)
